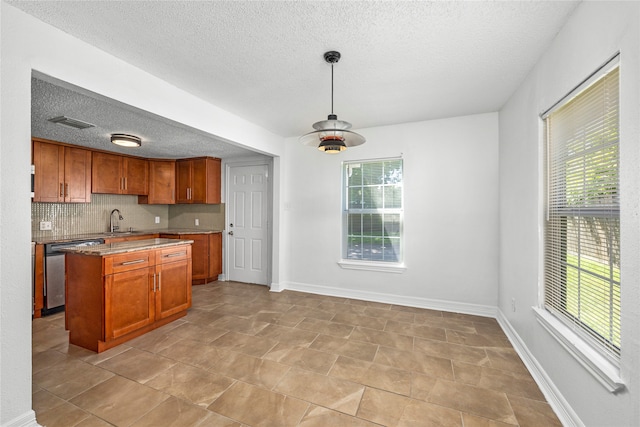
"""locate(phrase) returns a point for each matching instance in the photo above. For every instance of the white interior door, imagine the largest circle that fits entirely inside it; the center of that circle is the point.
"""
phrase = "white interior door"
(247, 227)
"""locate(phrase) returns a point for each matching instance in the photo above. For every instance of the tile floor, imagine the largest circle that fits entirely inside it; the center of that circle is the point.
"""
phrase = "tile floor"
(244, 356)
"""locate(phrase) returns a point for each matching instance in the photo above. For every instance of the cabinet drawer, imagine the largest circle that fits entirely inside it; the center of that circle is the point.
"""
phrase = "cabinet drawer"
(172, 254)
(129, 261)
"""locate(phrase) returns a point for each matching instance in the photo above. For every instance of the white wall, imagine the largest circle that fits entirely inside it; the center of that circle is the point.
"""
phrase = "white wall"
(593, 34)
(28, 44)
(451, 215)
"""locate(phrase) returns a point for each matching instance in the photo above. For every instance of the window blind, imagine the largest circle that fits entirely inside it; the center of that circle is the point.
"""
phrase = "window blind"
(582, 227)
(372, 210)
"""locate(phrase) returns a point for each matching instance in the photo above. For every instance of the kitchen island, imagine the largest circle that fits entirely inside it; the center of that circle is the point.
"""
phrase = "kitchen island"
(119, 291)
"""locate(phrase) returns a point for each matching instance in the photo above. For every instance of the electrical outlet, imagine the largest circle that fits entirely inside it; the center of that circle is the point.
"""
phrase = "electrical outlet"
(513, 305)
(197, 222)
(157, 220)
(45, 225)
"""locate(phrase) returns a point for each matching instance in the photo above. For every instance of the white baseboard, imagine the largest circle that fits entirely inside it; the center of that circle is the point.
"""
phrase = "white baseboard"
(556, 400)
(432, 304)
(27, 419)
(276, 287)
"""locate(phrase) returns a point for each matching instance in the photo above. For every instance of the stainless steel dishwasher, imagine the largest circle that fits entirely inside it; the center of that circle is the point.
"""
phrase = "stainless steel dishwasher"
(54, 273)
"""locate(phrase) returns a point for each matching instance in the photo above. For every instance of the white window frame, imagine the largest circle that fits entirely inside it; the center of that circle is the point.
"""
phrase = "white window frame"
(367, 264)
(578, 344)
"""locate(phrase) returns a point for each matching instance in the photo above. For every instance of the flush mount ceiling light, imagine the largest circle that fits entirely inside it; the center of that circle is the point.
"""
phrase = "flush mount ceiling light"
(332, 135)
(125, 140)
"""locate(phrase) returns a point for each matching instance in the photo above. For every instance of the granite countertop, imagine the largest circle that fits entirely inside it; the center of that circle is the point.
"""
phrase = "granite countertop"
(123, 247)
(188, 231)
(107, 235)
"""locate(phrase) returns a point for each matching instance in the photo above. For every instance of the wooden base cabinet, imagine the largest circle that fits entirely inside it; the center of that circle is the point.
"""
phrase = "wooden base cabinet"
(206, 253)
(114, 298)
(38, 281)
(173, 279)
(129, 302)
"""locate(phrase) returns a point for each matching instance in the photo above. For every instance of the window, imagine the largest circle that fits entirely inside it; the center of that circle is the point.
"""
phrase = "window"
(582, 227)
(372, 211)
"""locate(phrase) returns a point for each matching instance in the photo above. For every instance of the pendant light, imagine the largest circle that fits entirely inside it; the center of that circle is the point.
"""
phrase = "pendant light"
(332, 135)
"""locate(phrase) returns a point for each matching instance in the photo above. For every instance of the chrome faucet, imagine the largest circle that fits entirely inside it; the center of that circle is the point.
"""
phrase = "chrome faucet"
(112, 227)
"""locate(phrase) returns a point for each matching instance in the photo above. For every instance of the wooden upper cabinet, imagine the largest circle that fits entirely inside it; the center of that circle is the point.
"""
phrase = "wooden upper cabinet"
(115, 174)
(162, 183)
(198, 180)
(62, 173)
(136, 176)
(183, 181)
(106, 173)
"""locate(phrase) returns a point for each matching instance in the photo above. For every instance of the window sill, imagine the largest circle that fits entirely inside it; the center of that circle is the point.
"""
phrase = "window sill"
(597, 365)
(384, 267)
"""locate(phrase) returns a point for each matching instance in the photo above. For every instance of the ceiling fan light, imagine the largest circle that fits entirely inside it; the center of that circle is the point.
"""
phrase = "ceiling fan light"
(124, 140)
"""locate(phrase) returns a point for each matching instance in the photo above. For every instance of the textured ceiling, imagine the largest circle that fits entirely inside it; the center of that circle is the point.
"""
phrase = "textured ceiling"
(262, 60)
(161, 138)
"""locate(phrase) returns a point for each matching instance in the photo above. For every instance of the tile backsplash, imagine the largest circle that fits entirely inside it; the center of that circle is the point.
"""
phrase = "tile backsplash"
(81, 218)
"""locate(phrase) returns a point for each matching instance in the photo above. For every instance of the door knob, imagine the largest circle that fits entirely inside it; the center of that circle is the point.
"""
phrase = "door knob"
(231, 233)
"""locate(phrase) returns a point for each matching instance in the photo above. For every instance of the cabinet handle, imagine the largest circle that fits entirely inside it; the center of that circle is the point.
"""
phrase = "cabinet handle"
(173, 192)
(61, 190)
(66, 190)
(137, 261)
(159, 282)
(125, 182)
(154, 282)
(175, 254)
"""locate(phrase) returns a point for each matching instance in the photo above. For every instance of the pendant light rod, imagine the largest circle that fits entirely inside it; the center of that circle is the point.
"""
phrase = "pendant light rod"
(332, 89)
(332, 57)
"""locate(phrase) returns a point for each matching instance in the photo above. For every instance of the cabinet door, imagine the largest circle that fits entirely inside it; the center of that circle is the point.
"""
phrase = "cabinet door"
(129, 302)
(136, 176)
(199, 254)
(215, 254)
(173, 283)
(214, 182)
(199, 181)
(106, 173)
(49, 172)
(206, 181)
(162, 183)
(183, 181)
(77, 175)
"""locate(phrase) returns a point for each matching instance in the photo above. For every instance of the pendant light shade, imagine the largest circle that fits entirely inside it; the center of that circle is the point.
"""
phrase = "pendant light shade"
(332, 135)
